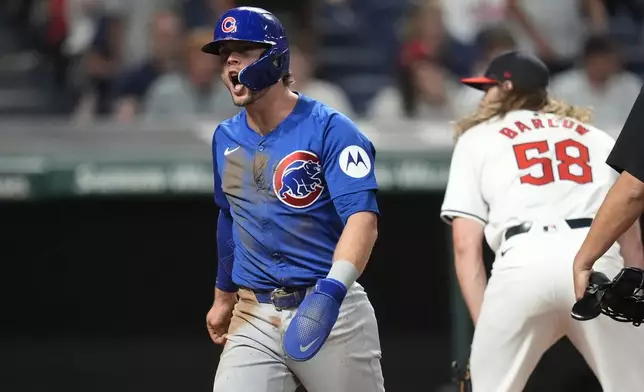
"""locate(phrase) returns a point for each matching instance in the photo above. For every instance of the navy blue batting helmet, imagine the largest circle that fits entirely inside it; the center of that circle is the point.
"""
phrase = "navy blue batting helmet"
(252, 24)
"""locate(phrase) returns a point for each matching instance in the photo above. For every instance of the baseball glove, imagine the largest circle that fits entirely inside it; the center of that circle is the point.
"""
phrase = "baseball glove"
(621, 299)
(461, 376)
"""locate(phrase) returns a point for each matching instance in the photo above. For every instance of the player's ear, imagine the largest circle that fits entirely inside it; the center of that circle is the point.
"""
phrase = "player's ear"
(507, 86)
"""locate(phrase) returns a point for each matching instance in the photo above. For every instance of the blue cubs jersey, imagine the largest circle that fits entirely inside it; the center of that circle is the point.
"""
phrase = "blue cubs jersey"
(280, 190)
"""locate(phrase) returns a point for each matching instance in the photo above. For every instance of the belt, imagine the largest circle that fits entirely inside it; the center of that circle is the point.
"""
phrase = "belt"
(526, 226)
(282, 298)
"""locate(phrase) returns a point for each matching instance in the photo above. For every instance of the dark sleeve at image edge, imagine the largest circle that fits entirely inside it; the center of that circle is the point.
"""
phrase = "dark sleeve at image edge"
(628, 152)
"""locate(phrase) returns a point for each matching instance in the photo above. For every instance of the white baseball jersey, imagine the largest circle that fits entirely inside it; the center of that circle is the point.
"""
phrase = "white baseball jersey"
(527, 166)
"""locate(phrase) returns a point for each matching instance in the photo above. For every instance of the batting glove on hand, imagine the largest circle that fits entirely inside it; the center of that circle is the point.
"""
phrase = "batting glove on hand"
(314, 320)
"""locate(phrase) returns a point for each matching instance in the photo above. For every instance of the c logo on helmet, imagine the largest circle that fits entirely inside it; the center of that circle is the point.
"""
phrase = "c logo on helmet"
(229, 25)
(297, 181)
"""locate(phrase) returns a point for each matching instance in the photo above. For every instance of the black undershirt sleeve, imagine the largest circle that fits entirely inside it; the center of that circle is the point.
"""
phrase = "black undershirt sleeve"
(628, 152)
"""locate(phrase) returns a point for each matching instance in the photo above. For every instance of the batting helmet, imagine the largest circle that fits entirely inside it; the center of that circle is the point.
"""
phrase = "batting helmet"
(252, 24)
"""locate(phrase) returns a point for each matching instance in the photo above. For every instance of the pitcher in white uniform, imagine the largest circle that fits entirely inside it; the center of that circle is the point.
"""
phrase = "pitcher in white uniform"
(529, 174)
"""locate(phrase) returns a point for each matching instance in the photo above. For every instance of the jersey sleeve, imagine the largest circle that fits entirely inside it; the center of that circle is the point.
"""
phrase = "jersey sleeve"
(463, 196)
(225, 243)
(225, 252)
(627, 152)
(220, 198)
(351, 203)
(347, 158)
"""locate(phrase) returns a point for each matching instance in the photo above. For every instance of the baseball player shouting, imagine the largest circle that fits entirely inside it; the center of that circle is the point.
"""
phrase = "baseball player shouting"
(529, 174)
(295, 184)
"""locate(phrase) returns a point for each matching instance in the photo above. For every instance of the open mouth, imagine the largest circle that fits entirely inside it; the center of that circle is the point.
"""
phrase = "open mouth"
(237, 87)
(234, 78)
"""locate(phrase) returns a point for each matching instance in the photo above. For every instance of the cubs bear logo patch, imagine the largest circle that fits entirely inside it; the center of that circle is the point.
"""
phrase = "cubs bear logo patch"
(297, 179)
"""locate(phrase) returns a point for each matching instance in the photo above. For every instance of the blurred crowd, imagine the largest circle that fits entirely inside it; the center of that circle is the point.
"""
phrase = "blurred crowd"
(139, 60)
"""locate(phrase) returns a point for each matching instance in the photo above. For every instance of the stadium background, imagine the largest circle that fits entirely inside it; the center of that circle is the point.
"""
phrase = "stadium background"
(106, 108)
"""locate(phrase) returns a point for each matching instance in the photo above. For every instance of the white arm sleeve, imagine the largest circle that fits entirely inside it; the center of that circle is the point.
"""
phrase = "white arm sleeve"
(463, 197)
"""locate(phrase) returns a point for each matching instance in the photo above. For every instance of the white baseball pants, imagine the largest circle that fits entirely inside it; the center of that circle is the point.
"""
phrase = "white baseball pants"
(253, 358)
(526, 309)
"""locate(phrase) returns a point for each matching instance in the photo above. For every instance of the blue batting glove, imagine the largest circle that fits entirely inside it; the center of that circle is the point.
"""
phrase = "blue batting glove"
(314, 320)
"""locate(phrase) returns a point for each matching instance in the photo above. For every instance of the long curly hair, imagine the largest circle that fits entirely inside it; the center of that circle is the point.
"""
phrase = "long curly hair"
(513, 100)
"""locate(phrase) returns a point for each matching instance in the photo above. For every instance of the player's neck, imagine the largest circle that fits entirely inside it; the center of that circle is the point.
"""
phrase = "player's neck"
(269, 111)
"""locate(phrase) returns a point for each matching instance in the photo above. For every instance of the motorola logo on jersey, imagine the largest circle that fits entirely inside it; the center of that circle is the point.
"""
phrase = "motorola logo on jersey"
(355, 162)
(229, 25)
(297, 180)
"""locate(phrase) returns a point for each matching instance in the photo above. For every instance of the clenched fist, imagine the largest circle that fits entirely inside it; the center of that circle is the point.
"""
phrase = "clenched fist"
(219, 316)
